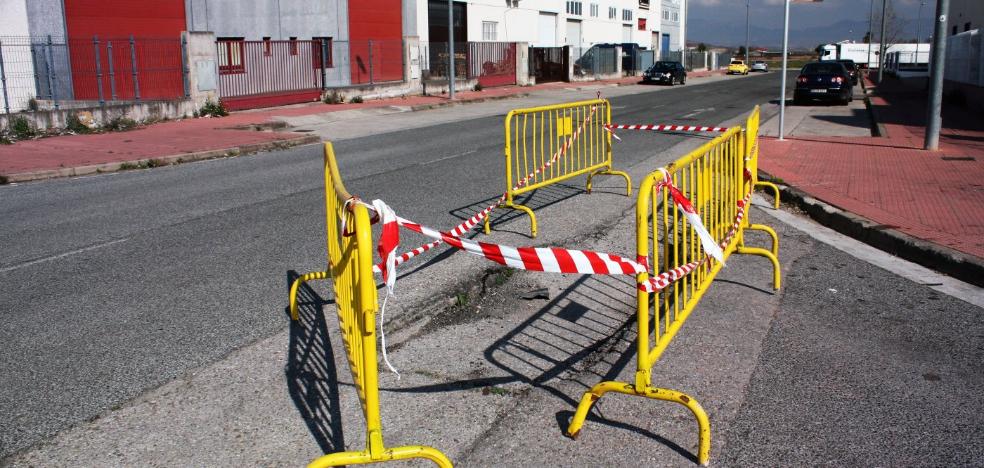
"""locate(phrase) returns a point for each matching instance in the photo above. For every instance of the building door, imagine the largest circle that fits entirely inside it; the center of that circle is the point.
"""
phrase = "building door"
(626, 33)
(655, 43)
(665, 46)
(546, 28)
(574, 33)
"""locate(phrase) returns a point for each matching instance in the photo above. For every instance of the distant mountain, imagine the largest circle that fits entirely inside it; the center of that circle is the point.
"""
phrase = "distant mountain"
(729, 33)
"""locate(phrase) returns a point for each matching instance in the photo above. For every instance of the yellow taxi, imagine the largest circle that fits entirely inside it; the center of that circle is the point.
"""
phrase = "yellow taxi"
(737, 67)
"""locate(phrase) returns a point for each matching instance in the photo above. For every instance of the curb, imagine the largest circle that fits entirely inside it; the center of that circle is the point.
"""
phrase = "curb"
(421, 107)
(117, 166)
(959, 265)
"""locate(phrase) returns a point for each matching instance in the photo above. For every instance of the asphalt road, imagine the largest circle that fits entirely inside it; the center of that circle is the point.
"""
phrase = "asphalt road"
(115, 284)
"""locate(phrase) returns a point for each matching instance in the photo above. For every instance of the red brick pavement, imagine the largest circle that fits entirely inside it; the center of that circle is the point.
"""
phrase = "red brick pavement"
(935, 196)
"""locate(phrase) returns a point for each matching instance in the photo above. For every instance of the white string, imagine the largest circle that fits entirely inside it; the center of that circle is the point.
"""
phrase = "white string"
(382, 336)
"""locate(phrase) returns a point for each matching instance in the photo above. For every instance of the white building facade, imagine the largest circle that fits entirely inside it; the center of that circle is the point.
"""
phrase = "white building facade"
(554, 23)
(673, 23)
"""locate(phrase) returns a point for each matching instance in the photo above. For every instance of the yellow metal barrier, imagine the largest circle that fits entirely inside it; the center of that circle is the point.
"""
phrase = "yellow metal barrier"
(752, 153)
(535, 135)
(350, 268)
(712, 176)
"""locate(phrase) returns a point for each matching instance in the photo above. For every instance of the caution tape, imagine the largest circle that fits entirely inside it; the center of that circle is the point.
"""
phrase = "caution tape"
(470, 223)
(559, 260)
(666, 128)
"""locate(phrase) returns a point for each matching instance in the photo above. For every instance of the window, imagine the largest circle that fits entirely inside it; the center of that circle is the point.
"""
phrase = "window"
(293, 45)
(666, 15)
(266, 46)
(676, 16)
(594, 10)
(489, 30)
(321, 45)
(612, 11)
(230, 50)
(644, 4)
(642, 24)
(954, 30)
(626, 15)
(512, 3)
(574, 8)
(966, 27)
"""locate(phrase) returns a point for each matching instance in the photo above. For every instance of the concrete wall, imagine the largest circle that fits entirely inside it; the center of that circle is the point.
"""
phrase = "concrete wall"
(46, 17)
(276, 19)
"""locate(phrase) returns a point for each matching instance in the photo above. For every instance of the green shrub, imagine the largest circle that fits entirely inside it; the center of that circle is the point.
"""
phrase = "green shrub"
(119, 124)
(22, 129)
(75, 125)
(334, 98)
(214, 109)
(357, 100)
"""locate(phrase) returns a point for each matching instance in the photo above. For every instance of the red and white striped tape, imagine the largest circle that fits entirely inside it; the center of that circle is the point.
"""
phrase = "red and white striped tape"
(470, 223)
(558, 260)
(666, 128)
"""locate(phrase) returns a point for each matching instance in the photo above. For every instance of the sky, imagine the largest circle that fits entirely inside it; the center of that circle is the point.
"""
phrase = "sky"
(767, 14)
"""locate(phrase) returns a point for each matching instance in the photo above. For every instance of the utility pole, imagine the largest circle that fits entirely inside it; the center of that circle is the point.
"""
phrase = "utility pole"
(918, 29)
(871, 32)
(451, 49)
(934, 119)
(881, 43)
(747, 53)
(785, 59)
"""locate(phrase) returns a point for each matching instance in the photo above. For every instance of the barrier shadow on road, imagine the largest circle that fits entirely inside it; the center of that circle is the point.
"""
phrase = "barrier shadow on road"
(312, 378)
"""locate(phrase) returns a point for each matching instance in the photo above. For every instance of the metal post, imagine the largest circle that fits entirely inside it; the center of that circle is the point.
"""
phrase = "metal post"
(450, 50)
(99, 75)
(324, 64)
(49, 62)
(881, 44)
(785, 58)
(747, 11)
(370, 62)
(3, 82)
(934, 118)
(918, 21)
(133, 68)
(871, 32)
(185, 71)
(112, 74)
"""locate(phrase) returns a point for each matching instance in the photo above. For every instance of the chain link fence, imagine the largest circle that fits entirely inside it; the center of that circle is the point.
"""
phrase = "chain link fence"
(597, 60)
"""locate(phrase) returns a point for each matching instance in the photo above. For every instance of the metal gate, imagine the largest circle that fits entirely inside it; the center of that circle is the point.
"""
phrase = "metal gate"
(548, 64)
(256, 74)
(493, 63)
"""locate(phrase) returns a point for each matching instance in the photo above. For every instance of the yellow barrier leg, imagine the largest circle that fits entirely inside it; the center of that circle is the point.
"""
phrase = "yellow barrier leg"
(522, 208)
(596, 392)
(628, 180)
(776, 276)
(773, 187)
(397, 453)
(771, 233)
(297, 283)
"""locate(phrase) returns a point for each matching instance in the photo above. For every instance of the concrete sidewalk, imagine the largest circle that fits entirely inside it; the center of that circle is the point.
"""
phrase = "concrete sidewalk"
(195, 139)
(925, 206)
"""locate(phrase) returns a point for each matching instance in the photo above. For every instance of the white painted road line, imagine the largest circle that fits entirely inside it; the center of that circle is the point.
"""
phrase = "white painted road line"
(904, 268)
(62, 255)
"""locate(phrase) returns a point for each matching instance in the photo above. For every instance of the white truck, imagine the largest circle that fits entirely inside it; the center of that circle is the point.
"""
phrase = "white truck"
(859, 52)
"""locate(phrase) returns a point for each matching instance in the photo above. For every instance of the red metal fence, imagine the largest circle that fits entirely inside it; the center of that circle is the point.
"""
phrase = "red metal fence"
(271, 73)
(492, 63)
(110, 69)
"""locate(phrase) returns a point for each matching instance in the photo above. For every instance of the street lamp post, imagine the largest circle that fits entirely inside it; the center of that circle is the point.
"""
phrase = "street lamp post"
(747, 53)
(918, 24)
(785, 64)
(881, 44)
(450, 50)
(871, 32)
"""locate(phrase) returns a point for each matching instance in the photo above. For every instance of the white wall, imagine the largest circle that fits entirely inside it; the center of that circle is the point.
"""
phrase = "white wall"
(520, 23)
(674, 28)
(16, 50)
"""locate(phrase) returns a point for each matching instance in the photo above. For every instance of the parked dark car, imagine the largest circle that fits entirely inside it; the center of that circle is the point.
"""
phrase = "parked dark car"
(666, 72)
(852, 68)
(824, 81)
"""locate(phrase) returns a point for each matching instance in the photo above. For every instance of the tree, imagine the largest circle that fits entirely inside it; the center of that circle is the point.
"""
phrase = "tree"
(895, 27)
(701, 47)
(741, 51)
(867, 38)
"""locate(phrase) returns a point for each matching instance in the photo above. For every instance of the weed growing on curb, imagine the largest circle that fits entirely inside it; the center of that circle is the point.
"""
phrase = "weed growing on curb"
(461, 299)
(357, 100)
(22, 129)
(128, 166)
(155, 163)
(75, 125)
(4, 140)
(119, 124)
(334, 98)
(213, 109)
(478, 87)
(4, 180)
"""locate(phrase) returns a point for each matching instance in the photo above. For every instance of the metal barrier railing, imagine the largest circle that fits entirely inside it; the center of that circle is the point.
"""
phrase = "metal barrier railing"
(553, 144)
(752, 152)
(350, 268)
(714, 178)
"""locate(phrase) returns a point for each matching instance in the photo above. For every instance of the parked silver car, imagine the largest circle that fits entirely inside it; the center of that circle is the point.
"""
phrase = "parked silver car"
(760, 66)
